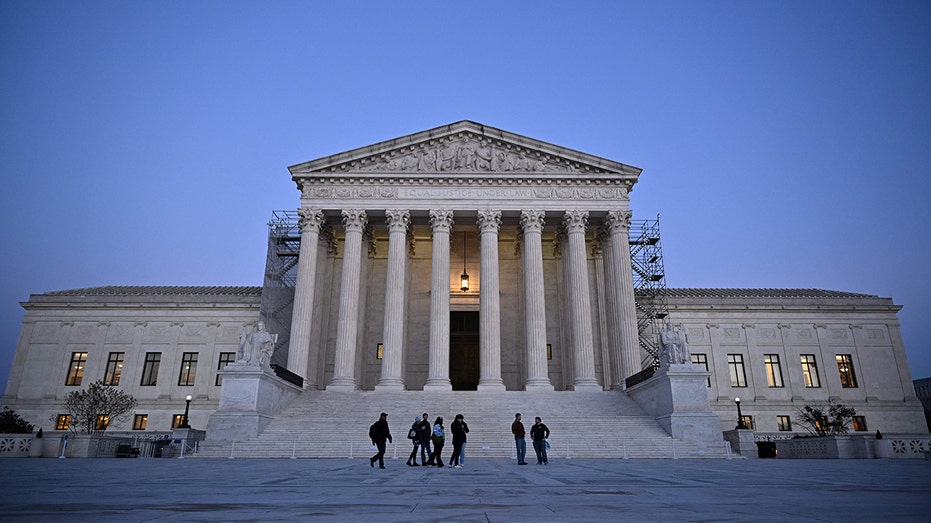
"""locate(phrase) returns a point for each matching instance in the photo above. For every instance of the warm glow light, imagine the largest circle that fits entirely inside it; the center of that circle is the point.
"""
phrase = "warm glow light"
(737, 400)
(189, 397)
(465, 281)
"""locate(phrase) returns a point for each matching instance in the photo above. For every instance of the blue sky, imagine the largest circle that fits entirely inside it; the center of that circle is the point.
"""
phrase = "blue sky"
(785, 144)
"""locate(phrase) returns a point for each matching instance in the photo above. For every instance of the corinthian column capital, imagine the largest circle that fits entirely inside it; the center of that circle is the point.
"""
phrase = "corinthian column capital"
(355, 220)
(441, 220)
(575, 221)
(618, 220)
(489, 220)
(531, 221)
(310, 219)
(398, 219)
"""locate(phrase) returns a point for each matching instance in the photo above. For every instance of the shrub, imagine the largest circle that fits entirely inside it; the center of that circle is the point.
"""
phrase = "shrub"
(12, 423)
(826, 419)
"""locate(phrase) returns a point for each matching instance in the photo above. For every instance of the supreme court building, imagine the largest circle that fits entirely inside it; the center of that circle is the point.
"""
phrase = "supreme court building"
(465, 260)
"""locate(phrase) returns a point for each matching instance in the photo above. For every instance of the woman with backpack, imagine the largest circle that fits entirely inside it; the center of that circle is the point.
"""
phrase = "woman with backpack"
(414, 435)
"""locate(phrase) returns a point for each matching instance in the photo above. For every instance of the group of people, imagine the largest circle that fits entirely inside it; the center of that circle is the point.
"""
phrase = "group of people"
(539, 434)
(429, 440)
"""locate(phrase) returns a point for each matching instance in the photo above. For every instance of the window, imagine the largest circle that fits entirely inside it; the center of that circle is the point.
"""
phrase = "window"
(76, 370)
(102, 421)
(701, 360)
(784, 423)
(139, 421)
(114, 369)
(859, 424)
(188, 368)
(748, 422)
(177, 420)
(773, 370)
(63, 422)
(848, 379)
(735, 363)
(225, 359)
(810, 371)
(150, 369)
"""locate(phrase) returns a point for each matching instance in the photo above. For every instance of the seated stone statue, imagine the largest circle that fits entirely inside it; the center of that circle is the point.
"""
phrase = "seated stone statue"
(256, 347)
(675, 346)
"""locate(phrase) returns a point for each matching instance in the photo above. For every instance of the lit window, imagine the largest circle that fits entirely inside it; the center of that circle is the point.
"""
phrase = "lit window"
(76, 369)
(379, 351)
(784, 422)
(150, 369)
(748, 422)
(177, 420)
(188, 368)
(225, 359)
(702, 360)
(139, 421)
(810, 371)
(549, 351)
(114, 369)
(848, 379)
(735, 363)
(859, 424)
(102, 421)
(63, 422)
(773, 370)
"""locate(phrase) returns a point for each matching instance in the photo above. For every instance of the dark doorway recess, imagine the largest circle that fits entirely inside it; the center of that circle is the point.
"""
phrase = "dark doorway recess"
(463, 350)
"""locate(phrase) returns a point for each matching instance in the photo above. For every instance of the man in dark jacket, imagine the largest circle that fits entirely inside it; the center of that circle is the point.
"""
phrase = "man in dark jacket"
(426, 430)
(379, 433)
(538, 433)
(517, 428)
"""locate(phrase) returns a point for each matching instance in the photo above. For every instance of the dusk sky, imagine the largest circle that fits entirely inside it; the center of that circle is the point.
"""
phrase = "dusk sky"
(785, 144)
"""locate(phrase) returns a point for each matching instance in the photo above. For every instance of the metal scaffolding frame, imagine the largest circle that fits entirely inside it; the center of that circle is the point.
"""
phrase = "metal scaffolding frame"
(646, 259)
(284, 245)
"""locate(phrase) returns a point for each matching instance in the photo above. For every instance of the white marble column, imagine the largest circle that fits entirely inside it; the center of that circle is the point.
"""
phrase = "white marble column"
(580, 308)
(302, 316)
(398, 222)
(618, 223)
(531, 223)
(348, 323)
(612, 313)
(441, 221)
(489, 222)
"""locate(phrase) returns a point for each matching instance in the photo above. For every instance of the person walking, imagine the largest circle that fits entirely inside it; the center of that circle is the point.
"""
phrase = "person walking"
(414, 435)
(439, 438)
(539, 433)
(426, 431)
(379, 433)
(517, 428)
(459, 429)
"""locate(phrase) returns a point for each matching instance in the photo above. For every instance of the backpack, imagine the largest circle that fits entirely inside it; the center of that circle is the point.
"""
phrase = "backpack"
(412, 434)
(372, 431)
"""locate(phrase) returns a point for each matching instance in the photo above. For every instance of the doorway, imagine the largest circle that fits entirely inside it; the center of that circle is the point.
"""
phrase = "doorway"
(463, 350)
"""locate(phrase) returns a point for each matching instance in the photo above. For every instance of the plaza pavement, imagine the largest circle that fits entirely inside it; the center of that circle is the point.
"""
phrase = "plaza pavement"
(485, 490)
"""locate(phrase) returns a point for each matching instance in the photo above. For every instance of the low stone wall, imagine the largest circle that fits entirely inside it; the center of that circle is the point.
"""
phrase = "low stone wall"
(19, 445)
(891, 446)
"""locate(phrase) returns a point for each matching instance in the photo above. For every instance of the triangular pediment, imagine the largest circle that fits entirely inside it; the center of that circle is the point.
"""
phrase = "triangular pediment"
(462, 147)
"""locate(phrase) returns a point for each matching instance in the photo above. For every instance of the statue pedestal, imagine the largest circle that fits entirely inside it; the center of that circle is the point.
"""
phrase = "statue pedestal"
(677, 397)
(250, 397)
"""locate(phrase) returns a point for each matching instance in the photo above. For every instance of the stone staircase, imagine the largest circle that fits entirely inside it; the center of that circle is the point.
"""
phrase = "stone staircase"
(327, 424)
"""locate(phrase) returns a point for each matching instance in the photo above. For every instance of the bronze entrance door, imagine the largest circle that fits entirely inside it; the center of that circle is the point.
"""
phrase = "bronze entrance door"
(463, 350)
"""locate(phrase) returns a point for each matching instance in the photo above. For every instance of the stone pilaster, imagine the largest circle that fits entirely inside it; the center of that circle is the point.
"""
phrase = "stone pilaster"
(441, 221)
(618, 223)
(534, 308)
(398, 223)
(490, 304)
(580, 308)
(302, 316)
(348, 323)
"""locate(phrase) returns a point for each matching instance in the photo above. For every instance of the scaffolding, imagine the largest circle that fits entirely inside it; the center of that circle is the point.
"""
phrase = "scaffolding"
(284, 245)
(646, 259)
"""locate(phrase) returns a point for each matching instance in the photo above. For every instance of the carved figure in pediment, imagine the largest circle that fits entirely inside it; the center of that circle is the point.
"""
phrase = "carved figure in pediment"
(465, 158)
(484, 158)
(427, 161)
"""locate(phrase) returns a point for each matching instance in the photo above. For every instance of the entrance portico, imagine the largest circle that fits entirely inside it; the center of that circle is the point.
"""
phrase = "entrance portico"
(531, 219)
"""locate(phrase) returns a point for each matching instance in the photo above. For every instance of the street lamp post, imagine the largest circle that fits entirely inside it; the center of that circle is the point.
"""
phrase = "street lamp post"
(187, 409)
(740, 418)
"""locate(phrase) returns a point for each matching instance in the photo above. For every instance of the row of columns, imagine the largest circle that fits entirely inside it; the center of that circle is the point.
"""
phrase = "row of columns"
(623, 359)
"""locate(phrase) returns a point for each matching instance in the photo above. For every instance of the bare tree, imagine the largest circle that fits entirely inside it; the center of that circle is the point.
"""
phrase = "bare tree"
(93, 409)
(826, 419)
